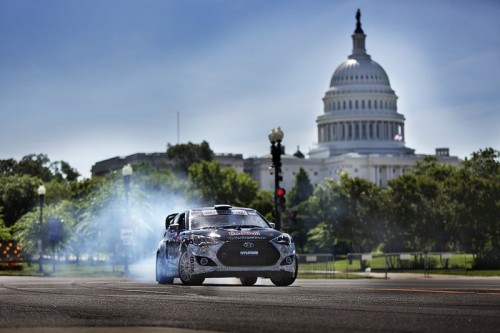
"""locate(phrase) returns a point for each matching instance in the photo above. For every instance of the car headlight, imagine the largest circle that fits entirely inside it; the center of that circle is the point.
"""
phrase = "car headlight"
(201, 240)
(283, 239)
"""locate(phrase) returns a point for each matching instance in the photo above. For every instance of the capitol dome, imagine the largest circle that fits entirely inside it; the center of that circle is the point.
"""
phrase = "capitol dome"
(359, 71)
(360, 108)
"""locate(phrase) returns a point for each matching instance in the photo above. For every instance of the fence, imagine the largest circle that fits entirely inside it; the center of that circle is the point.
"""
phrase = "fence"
(325, 265)
(318, 265)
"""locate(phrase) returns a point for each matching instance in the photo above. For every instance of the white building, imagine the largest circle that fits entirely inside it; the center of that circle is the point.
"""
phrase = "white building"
(359, 132)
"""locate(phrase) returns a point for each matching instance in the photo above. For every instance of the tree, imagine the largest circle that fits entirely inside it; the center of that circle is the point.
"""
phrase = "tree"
(296, 222)
(4, 231)
(420, 202)
(39, 166)
(263, 202)
(210, 184)
(475, 192)
(34, 165)
(360, 213)
(17, 196)
(184, 155)
(301, 190)
(320, 217)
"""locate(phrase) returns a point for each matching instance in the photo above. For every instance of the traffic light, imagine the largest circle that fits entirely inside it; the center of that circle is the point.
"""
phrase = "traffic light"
(280, 194)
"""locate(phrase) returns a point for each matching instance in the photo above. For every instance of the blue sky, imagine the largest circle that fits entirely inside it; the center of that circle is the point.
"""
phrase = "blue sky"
(87, 80)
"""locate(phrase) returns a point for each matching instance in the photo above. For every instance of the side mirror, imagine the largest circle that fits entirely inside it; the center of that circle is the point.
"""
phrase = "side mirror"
(173, 228)
(273, 225)
(169, 220)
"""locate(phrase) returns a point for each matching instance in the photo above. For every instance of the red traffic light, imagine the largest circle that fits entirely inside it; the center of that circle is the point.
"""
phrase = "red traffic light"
(280, 192)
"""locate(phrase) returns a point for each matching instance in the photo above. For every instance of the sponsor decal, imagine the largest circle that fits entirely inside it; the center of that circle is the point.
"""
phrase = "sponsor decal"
(247, 238)
(244, 233)
(249, 253)
(210, 212)
(213, 212)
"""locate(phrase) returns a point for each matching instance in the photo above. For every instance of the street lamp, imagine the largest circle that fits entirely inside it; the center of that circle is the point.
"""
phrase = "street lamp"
(126, 232)
(41, 196)
(275, 137)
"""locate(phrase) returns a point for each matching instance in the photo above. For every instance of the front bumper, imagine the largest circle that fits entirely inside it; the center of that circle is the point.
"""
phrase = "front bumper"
(205, 262)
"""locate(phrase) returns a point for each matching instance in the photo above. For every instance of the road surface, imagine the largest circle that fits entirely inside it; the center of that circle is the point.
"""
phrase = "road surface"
(126, 305)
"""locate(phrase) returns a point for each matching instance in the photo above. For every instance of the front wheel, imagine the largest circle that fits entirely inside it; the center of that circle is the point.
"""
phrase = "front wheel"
(286, 279)
(185, 272)
(162, 272)
(248, 281)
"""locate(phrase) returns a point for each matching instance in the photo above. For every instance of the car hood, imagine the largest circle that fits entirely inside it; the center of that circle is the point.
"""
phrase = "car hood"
(240, 234)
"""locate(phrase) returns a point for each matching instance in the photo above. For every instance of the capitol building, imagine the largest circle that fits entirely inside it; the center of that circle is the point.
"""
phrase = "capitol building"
(360, 131)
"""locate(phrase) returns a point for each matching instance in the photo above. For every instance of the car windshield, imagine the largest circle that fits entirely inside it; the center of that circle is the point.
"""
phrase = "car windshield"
(234, 218)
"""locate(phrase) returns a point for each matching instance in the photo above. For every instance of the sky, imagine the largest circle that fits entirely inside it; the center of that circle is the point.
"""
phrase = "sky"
(87, 80)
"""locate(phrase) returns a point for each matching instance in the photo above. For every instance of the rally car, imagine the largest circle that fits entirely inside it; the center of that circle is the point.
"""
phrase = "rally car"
(224, 241)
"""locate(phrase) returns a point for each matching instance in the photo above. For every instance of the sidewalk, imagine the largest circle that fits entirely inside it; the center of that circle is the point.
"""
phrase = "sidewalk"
(402, 276)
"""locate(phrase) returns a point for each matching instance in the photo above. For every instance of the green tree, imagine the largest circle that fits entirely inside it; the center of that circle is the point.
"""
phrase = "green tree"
(320, 216)
(211, 184)
(17, 196)
(301, 190)
(360, 213)
(7, 167)
(4, 231)
(263, 202)
(36, 166)
(184, 155)
(295, 219)
(420, 201)
(475, 192)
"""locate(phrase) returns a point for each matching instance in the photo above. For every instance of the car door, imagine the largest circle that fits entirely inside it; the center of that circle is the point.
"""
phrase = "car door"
(174, 237)
(163, 247)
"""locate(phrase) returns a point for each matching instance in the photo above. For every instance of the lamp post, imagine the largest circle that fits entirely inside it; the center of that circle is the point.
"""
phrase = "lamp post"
(126, 232)
(41, 196)
(275, 137)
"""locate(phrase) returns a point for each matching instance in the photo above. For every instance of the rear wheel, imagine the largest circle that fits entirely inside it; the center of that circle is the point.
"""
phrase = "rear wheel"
(185, 273)
(248, 281)
(162, 272)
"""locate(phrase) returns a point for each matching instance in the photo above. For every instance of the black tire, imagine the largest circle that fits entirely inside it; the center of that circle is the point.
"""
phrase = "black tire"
(286, 279)
(185, 272)
(248, 281)
(162, 272)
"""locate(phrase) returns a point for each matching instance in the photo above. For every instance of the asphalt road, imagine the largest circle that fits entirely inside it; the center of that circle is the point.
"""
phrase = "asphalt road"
(124, 305)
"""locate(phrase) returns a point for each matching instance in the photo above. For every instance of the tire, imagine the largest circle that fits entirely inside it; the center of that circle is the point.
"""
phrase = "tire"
(286, 279)
(162, 272)
(185, 272)
(248, 281)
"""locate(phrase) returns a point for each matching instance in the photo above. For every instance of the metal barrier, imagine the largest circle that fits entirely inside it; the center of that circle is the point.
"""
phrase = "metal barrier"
(423, 261)
(323, 265)
(317, 265)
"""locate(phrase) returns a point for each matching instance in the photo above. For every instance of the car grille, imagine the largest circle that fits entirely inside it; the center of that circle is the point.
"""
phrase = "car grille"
(241, 254)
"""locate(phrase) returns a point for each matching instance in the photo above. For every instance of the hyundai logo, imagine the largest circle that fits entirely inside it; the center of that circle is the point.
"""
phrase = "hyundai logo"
(248, 245)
